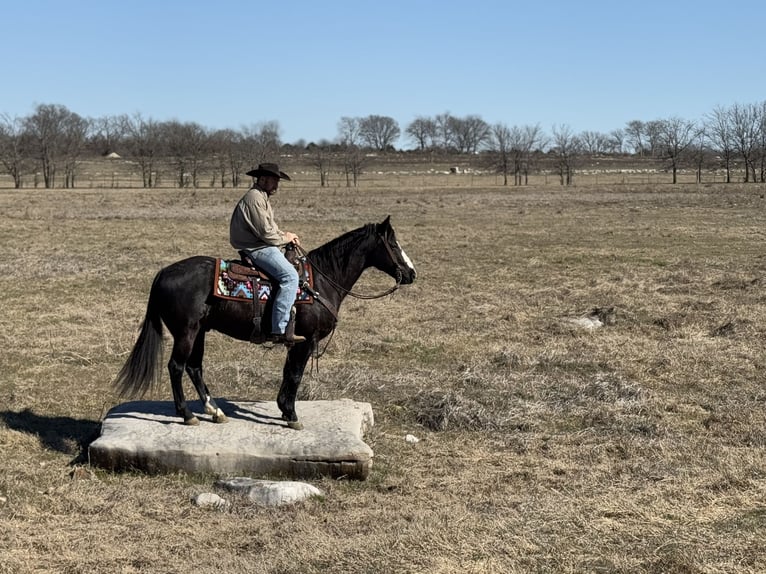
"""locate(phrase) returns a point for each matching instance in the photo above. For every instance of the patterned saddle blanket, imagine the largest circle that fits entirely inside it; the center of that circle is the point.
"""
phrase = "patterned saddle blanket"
(239, 282)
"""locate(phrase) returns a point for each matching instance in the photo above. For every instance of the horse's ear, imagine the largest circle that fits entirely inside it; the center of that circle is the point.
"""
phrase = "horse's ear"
(384, 228)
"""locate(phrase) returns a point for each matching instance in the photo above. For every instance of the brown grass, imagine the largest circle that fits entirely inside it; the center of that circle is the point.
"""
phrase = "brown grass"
(634, 448)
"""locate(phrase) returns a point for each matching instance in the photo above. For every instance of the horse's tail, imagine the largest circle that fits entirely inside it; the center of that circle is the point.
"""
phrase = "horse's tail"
(140, 372)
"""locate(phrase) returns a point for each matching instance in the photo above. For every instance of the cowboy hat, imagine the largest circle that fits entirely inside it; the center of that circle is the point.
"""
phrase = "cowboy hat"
(270, 169)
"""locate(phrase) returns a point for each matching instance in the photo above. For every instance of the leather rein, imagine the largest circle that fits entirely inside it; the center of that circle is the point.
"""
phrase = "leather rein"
(334, 312)
(302, 252)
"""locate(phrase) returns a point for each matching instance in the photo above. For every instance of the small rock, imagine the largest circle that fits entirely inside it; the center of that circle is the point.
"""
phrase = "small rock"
(588, 323)
(597, 317)
(271, 492)
(3, 499)
(211, 500)
(411, 438)
(81, 473)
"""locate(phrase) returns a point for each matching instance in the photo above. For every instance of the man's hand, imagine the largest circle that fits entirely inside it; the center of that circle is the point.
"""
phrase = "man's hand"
(292, 238)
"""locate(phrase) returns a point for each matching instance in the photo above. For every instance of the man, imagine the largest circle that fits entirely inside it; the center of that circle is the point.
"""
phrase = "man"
(253, 230)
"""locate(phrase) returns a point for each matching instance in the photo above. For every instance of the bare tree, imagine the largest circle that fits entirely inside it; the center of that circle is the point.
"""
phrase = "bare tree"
(676, 135)
(745, 127)
(107, 133)
(512, 148)
(762, 139)
(616, 141)
(529, 139)
(720, 134)
(143, 143)
(501, 146)
(635, 136)
(74, 139)
(186, 145)
(14, 148)
(350, 140)
(469, 133)
(258, 143)
(566, 147)
(227, 156)
(699, 151)
(422, 131)
(199, 149)
(46, 127)
(654, 138)
(444, 136)
(379, 132)
(321, 156)
(261, 142)
(594, 143)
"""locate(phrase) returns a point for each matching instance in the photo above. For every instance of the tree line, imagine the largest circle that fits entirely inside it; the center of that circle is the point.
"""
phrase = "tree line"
(48, 145)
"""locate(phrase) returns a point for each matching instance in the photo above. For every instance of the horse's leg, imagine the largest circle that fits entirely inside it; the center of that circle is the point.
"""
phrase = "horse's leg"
(194, 370)
(297, 357)
(182, 347)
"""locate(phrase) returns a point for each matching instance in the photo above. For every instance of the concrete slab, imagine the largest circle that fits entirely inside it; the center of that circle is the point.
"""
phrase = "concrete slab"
(149, 437)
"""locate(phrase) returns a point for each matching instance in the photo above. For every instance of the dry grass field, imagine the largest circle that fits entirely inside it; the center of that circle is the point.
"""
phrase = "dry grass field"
(637, 447)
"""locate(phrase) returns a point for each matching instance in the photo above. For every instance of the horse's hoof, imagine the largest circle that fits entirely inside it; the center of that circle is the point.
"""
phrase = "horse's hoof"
(194, 421)
(220, 418)
(295, 425)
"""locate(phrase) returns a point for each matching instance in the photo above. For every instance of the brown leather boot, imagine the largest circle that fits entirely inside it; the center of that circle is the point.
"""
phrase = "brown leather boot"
(287, 340)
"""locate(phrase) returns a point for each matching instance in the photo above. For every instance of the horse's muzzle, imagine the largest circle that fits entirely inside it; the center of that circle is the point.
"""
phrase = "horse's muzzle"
(406, 276)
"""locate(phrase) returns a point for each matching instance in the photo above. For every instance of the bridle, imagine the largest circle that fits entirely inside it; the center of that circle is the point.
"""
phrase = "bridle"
(302, 252)
(334, 312)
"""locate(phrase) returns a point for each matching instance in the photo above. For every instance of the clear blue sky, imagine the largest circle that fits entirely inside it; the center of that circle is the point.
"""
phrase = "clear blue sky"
(592, 65)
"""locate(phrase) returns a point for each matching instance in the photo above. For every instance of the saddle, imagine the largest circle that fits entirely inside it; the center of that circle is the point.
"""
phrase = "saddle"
(241, 280)
(242, 271)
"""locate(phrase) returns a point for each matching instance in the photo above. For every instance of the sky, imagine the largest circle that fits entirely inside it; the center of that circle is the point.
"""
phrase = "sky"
(585, 64)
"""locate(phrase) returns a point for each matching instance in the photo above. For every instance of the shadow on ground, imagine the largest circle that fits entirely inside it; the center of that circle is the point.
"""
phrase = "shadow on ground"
(62, 434)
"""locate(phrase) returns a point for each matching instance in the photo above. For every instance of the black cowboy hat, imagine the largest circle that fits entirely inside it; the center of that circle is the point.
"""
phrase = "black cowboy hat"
(271, 169)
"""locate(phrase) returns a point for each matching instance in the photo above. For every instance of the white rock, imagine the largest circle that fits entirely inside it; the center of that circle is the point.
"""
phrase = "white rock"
(211, 500)
(411, 438)
(588, 323)
(271, 492)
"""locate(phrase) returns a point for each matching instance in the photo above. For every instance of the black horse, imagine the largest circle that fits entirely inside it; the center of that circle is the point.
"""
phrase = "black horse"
(182, 298)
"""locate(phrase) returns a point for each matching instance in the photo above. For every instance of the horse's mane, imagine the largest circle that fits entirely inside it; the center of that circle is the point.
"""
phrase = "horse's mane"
(336, 253)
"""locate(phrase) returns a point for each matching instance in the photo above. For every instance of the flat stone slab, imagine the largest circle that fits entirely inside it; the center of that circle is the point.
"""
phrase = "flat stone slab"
(150, 437)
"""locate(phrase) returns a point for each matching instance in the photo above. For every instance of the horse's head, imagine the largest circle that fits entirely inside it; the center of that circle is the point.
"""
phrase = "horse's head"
(391, 258)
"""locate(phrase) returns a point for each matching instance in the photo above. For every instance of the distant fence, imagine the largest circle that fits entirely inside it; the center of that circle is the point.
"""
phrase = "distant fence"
(387, 179)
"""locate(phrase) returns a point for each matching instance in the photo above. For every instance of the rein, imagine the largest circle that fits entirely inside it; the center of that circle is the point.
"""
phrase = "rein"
(302, 252)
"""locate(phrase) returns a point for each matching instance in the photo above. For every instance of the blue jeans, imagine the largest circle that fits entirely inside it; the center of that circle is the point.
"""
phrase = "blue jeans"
(274, 263)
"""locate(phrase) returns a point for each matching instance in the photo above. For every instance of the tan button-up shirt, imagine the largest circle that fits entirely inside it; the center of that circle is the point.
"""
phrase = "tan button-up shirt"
(252, 224)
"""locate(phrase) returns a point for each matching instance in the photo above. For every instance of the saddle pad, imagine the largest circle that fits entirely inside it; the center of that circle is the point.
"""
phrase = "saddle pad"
(235, 287)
